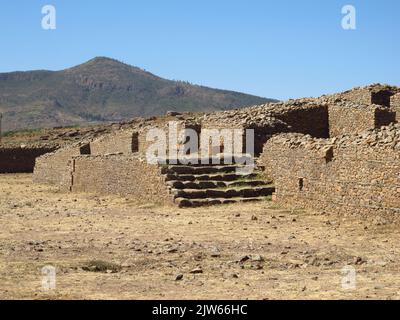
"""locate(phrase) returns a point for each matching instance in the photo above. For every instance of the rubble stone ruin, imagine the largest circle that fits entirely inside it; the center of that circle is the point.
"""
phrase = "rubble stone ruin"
(338, 152)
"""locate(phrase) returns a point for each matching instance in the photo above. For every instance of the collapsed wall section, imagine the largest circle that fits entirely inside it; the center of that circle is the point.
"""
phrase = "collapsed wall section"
(126, 175)
(21, 159)
(350, 174)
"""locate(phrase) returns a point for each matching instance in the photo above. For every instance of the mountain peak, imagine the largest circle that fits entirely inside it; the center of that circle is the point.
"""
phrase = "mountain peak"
(102, 62)
(102, 59)
(104, 89)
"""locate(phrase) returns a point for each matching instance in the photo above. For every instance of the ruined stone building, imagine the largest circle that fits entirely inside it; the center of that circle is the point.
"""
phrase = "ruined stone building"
(358, 173)
(356, 170)
(334, 152)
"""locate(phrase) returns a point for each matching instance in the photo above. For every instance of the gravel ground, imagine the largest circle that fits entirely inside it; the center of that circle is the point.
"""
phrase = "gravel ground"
(114, 248)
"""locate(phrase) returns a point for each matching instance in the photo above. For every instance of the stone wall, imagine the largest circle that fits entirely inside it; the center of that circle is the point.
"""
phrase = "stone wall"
(350, 174)
(360, 95)
(122, 141)
(54, 168)
(306, 170)
(21, 159)
(347, 118)
(373, 94)
(303, 116)
(395, 103)
(306, 118)
(181, 126)
(126, 175)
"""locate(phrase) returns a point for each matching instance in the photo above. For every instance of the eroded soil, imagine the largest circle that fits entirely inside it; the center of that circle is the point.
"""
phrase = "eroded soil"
(248, 251)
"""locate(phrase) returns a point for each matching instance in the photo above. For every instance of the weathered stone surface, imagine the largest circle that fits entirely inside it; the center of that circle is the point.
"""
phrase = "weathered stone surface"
(222, 193)
(119, 174)
(214, 184)
(183, 203)
(124, 141)
(198, 170)
(348, 174)
(55, 168)
(395, 103)
(211, 177)
(349, 117)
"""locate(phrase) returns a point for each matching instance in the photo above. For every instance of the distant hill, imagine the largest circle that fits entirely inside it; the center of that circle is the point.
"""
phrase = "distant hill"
(101, 90)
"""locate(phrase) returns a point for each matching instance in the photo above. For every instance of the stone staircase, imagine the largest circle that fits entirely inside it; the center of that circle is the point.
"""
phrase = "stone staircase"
(213, 184)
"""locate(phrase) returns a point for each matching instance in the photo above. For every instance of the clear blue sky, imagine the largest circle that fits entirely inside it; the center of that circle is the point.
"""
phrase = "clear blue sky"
(279, 49)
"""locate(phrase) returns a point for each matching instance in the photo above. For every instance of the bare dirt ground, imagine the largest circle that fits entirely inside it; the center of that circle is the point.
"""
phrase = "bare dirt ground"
(249, 251)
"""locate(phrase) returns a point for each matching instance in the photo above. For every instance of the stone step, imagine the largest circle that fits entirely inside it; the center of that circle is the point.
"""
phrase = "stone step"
(223, 193)
(214, 184)
(211, 177)
(214, 160)
(248, 183)
(191, 203)
(179, 169)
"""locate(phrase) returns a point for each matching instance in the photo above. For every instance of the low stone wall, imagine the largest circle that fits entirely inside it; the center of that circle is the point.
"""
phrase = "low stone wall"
(54, 168)
(21, 159)
(345, 118)
(123, 141)
(126, 175)
(357, 174)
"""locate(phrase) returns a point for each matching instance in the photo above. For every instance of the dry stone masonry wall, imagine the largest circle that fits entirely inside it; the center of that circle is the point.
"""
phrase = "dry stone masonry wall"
(338, 152)
(348, 174)
(395, 103)
(144, 143)
(374, 94)
(303, 115)
(54, 168)
(126, 175)
(123, 141)
(349, 117)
